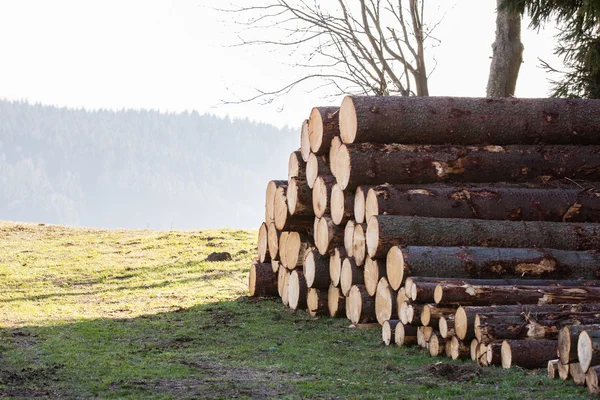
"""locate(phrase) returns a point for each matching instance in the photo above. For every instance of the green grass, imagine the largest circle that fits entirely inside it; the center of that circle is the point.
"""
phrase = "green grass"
(140, 314)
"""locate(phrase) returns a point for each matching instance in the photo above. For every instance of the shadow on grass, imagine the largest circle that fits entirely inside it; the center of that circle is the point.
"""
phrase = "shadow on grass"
(238, 349)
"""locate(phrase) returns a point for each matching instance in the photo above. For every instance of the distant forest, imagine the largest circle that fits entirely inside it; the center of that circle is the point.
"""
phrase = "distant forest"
(136, 168)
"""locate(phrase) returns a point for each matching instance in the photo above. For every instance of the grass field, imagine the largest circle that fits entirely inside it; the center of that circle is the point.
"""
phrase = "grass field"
(140, 314)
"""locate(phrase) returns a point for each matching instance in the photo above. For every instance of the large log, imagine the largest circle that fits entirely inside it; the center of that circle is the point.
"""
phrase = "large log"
(405, 335)
(490, 262)
(368, 163)
(270, 199)
(431, 315)
(568, 338)
(284, 221)
(422, 292)
(304, 141)
(321, 194)
(316, 166)
(385, 302)
(261, 280)
(350, 275)
(493, 355)
(360, 306)
(446, 325)
(359, 244)
(374, 270)
(298, 290)
(273, 238)
(263, 244)
(336, 302)
(491, 327)
(491, 202)
(341, 205)
(386, 231)
(528, 354)
(293, 250)
(336, 144)
(588, 349)
(317, 302)
(458, 350)
(323, 125)
(299, 198)
(436, 345)
(296, 166)
(388, 331)
(440, 120)
(486, 295)
(335, 265)
(316, 269)
(328, 236)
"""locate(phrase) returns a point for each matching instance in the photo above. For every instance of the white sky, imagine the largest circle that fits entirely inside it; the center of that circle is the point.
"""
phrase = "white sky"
(171, 55)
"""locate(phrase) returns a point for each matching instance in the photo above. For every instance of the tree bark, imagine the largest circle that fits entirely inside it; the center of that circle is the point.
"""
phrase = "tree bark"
(386, 231)
(262, 280)
(284, 221)
(528, 354)
(299, 198)
(321, 194)
(405, 335)
(316, 269)
(263, 244)
(336, 302)
(490, 262)
(335, 265)
(296, 166)
(341, 205)
(323, 126)
(385, 302)
(316, 166)
(496, 202)
(493, 354)
(361, 306)
(507, 54)
(317, 302)
(368, 163)
(388, 331)
(468, 121)
(351, 275)
(422, 292)
(490, 327)
(298, 290)
(374, 271)
(328, 236)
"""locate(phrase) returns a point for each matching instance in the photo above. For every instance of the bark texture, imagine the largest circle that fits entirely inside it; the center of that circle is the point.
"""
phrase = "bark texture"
(528, 354)
(262, 280)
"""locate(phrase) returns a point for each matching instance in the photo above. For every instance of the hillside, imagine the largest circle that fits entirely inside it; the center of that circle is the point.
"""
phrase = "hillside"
(136, 168)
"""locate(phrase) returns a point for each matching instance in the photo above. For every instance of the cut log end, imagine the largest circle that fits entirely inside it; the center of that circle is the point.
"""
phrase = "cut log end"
(564, 345)
(373, 272)
(426, 315)
(585, 350)
(281, 211)
(336, 303)
(371, 204)
(343, 167)
(348, 120)
(359, 250)
(359, 205)
(322, 236)
(350, 275)
(360, 306)
(337, 206)
(460, 323)
(312, 170)
(438, 294)
(506, 355)
(261, 280)
(317, 302)
(320, 197)
(563, 371)
(295, 165)
(388, 331)
(273, 241)
(304, 141)
(298, 290)
(473, 349)
(263, 243)
(591, 379)
(315, 130)
(553, 369)
(292, 195)
(385, 302)
(436, 345)
(336, 143)
(394, 266)
(372, 236)
(349, 238)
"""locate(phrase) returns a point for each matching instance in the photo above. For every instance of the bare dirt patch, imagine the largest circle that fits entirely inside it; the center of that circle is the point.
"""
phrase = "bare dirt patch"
(454, 372)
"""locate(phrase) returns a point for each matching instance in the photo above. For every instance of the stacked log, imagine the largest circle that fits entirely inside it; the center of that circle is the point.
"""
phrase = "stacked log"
(467, 226)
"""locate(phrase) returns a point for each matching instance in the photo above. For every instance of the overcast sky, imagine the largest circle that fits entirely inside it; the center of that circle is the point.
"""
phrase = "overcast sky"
(173, 55)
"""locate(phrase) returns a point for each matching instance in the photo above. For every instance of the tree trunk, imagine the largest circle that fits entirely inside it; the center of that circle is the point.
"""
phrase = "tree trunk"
(468, 121)
(486, 295)
(315, 167)
(410, 314)
(270, 199)
(299, 198)
(507, 54)
(336, 302)
(296, 166)
(304, 141)
(323, 125)
(262, 280)
(458, 350)
(328, 236)
(359, 244)
(316, 269)
(405, 335)
(386, 231)
(491, 327)
(422, 292)
(567, 341)
(341, 205)
(263, 244)
(528, 354)
(351, 275)
(388, 331)
(298, 290)
(374, 271)
(385, 302)
(317, 302)
(336, 144)
(496, 202)
(490, 263)
(321, 194)
(335, 265)
(588, 349)
(431, 315)
(361, 306)
(368, 163)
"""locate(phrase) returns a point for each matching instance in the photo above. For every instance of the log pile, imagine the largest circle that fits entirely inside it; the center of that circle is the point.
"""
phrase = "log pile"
(470, 227)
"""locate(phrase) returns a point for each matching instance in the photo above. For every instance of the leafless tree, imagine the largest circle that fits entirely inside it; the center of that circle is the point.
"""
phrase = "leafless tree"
(370, 47)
